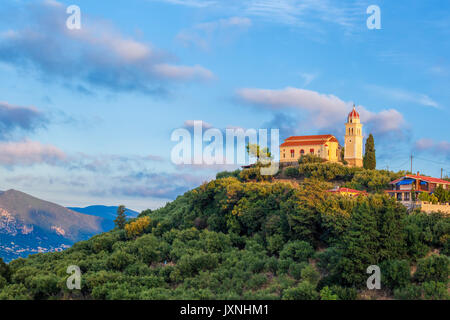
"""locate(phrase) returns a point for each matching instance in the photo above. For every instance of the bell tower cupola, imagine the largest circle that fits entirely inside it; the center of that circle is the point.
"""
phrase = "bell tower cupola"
(353, 139)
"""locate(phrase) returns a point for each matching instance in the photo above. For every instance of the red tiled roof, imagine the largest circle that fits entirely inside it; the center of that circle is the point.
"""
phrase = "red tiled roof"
(427, 179)
(314, 137)
(303, 143)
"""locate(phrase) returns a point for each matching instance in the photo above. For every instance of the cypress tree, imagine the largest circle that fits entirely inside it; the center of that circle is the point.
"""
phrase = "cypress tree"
(369, 160)
(121, 217)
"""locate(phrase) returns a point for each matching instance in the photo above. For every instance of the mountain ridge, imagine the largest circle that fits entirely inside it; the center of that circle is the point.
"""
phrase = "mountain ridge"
(31, 225)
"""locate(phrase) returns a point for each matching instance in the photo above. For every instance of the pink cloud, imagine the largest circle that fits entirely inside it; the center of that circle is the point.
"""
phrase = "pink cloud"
(324, 111)
(28, 153)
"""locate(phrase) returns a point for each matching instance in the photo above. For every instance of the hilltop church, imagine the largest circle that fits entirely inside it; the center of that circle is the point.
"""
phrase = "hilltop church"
(327, 146)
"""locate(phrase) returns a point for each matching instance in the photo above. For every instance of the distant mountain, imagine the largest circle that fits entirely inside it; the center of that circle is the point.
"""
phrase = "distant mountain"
(106, 212)
(31, 225)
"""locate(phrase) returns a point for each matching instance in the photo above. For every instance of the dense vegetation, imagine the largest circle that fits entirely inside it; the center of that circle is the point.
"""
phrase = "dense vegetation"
(237, 239)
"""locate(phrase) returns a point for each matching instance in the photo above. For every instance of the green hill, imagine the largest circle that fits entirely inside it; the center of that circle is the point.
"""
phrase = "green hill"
(233, 239)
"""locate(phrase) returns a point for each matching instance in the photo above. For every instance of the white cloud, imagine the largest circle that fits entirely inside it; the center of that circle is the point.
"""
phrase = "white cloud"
(98, 54)
(203, 34)
(433, 147)
(183, 72)
(405, 96)
(308, 78)
(384, 121)
(191, 3)
(189, 124)
(300, 13)
(28, 153)
(324, 111)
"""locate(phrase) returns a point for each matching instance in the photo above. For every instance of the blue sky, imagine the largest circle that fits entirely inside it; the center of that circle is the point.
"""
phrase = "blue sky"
(86, 115)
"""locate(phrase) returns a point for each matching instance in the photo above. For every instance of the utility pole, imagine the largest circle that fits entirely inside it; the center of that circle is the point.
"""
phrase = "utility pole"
(441, 172)
(411, 163)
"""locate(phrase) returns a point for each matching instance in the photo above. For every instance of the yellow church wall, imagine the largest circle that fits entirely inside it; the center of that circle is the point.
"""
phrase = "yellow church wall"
(330, 153)
(333, 147)
(286, 151)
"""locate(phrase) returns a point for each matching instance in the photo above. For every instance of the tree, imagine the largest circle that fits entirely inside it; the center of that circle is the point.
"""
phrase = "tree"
(327, 294)
(303, 291)
(256, 151)
(369, 160)
(137, 228)
(121, 217)
(441, 194)
(4, 269)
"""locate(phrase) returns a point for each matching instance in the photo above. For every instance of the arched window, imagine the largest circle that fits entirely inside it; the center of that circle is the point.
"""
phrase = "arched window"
(311, 151)
(292, 153)
(302, 152)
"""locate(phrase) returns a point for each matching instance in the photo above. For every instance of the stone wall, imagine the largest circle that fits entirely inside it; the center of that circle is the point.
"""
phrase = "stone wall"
(429, 207)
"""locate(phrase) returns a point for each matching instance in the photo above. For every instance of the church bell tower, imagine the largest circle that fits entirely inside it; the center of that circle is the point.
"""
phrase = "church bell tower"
(353, 140)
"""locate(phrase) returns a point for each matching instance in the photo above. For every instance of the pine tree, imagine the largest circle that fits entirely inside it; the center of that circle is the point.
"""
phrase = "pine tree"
(370, 161)
(121, 217)
(360, 246)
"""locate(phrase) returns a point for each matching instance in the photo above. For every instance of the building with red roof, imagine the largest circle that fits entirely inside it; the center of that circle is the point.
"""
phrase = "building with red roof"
(403, 187)
(326, 146)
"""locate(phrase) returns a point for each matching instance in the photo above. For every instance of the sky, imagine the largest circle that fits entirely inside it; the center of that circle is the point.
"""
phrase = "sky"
(86, 115)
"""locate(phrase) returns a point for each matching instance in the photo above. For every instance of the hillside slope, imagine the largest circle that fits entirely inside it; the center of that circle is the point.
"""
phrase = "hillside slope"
(231, 239)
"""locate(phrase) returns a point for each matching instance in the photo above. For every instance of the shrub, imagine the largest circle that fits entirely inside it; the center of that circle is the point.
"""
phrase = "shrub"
(298, 251)
(291, 172)
(345, 293)
(303, 291)
(310, 274)
(395, 273)
(275, 243)
(44, 286)
(327, 294)
(310, 158)
(409, 292)
(227, 174)
(3, 282)
(4, 269)
(433, 290)
(119, 261)
(256, 281)
(15, 292)
(295, 270)
(136, 228)
(433, 268)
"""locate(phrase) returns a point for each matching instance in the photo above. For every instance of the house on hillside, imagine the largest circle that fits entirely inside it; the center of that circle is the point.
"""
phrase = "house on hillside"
(402, 187)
